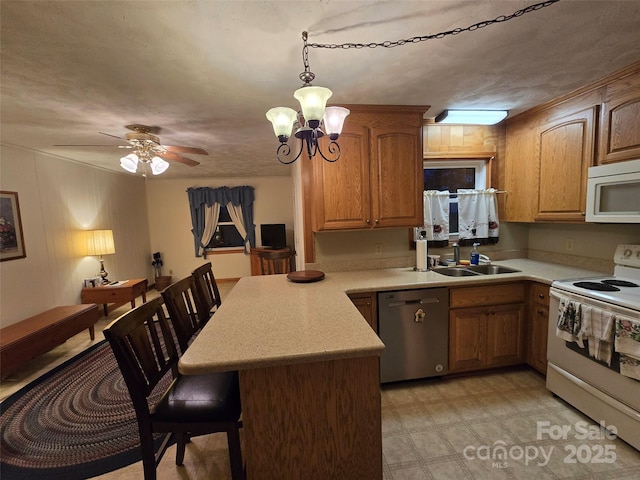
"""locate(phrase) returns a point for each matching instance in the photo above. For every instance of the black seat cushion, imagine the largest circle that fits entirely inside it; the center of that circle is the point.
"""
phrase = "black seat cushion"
(200, 398)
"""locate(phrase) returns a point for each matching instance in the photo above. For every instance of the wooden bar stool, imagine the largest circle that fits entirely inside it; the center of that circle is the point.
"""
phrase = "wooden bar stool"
(273, 262)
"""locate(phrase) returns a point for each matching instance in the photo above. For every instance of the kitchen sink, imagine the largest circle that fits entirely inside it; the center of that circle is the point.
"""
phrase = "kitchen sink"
(456, 272)
(471, 270)
(492, 269)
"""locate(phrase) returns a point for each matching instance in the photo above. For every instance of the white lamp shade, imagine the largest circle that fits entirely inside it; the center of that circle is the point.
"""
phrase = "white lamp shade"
(334, 119)
(313, 101)
(100, 242)
(158, 165)
(282, 119)
(130, 162)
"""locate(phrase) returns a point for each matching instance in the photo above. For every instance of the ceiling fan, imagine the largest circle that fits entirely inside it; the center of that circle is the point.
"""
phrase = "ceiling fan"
(147, 146)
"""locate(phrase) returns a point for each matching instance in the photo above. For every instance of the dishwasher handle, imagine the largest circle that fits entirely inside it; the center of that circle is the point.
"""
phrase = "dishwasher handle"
(422, 301)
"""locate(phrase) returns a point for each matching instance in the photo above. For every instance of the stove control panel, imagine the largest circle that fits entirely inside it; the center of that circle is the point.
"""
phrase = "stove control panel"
(628, 255)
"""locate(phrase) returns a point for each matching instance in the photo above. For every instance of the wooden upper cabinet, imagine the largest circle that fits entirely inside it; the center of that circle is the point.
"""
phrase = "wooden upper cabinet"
(520, 173)
(377, 182)
(341, 196)
(620, 121)
(567, 150)
(396, 177)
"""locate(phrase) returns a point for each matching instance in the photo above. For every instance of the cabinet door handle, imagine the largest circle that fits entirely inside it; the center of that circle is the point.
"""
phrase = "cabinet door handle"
(376, 221)
(541, 295)
(368, 221)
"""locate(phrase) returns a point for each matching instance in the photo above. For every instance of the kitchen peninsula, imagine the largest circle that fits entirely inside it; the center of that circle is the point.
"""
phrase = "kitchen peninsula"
(308, 365)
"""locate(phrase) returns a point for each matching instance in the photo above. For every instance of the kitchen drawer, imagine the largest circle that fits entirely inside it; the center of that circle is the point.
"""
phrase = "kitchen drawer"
(540, 294)
(487, 295)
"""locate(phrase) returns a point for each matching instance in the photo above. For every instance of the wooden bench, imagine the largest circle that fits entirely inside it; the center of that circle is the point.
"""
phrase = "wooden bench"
(26, 339)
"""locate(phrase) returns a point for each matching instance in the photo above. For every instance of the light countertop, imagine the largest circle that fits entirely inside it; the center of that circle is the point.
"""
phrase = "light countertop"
(268, 320)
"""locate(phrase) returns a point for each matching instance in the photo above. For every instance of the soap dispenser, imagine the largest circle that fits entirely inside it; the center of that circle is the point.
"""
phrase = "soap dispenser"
(475, 255)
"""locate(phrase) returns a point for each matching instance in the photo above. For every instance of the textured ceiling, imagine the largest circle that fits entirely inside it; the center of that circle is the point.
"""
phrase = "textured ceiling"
(207, 71)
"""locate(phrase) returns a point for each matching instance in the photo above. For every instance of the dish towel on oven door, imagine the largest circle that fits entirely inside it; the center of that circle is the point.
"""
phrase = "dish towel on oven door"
(569, 323)
(598, 328)
(627, 343)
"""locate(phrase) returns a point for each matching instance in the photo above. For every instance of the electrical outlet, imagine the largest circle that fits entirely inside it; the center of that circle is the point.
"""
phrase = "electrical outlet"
(378, 249)
(170, 272)
(568, 244)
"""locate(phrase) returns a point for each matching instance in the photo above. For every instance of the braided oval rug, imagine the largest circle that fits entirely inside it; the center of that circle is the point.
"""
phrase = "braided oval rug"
(76, 421)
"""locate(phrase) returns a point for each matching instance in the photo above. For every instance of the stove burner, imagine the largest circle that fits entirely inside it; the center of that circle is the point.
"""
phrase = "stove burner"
(602, 287)
(620, 283)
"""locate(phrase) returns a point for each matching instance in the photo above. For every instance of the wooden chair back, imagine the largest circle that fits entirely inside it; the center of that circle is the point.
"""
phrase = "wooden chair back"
(180, 299)
(208, 295)
(273, 262)
(142, 343)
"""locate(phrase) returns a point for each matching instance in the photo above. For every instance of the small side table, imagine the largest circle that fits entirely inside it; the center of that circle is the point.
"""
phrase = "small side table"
(116, 294)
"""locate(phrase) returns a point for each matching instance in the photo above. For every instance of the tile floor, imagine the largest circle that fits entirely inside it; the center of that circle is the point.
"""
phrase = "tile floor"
(431, 429)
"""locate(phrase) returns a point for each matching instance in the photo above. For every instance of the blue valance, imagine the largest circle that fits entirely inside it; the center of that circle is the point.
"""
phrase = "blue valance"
(203, 197)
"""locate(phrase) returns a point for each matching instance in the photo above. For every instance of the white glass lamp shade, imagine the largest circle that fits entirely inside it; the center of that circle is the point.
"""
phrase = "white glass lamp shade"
(130, 162)
(282, 119)
(334, 120)
(313, 101)
(158, 165)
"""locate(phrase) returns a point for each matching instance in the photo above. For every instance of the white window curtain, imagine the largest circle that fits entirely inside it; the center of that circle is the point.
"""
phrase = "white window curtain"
(235, 212)
(478, 216)
(436, 217)
(211, 215)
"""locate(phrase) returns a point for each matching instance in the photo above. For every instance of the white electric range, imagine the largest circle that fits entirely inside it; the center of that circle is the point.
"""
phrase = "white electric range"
(595, 386)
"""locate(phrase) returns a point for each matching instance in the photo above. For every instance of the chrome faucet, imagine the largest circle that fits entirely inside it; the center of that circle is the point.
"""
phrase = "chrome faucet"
(456, 253)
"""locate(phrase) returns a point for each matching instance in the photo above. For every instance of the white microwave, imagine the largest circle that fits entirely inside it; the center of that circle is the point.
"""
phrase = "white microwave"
(613, 193)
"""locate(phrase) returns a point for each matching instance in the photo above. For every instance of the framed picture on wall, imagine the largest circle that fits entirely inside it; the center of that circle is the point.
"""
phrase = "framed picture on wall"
(11, 239)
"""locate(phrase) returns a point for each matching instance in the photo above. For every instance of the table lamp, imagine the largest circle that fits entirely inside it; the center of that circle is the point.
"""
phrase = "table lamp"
(100, 242)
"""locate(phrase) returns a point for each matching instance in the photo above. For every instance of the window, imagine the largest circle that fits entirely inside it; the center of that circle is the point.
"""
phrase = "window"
(452, 175)
(226, 234)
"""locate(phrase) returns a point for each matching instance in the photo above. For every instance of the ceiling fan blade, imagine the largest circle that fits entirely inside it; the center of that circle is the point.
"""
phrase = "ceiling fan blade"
(179, 158)
(177, 149)
(83, 145)
(109, 135)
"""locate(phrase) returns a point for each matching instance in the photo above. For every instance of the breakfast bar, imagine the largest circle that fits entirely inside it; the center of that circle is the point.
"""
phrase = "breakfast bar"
(309, 378)
(308, 364)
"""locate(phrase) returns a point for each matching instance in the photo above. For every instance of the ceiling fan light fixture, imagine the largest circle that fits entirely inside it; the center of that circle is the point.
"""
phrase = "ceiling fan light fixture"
(471, 117)
(158, 165)
(129, 162)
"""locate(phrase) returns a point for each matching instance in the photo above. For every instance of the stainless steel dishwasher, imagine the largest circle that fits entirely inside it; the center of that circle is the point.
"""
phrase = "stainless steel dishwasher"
(414, 327)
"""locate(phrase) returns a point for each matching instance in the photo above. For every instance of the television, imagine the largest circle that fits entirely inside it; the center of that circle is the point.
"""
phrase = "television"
(273, 235)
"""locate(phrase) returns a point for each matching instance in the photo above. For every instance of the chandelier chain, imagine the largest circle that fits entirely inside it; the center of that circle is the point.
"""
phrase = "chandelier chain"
(423, 38)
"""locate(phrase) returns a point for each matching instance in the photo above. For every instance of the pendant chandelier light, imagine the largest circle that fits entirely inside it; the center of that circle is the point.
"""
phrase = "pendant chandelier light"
(144, 156)
(310, 122)
(313, 100)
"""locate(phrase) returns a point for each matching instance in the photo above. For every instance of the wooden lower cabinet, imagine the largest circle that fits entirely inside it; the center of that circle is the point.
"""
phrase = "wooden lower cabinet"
(538, 325)
(491, 332)
(366, 305)
(505, 335)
